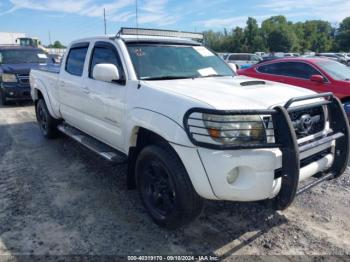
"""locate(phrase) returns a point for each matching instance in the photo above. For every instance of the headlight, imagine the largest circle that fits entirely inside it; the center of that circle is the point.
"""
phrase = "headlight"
(9, 78)
(235, 129)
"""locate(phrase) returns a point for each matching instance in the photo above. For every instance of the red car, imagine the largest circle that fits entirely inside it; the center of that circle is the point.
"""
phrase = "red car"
(317, 74)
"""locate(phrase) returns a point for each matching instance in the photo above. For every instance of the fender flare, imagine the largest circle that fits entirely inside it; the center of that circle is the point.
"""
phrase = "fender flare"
(42, 89)
(158, 123)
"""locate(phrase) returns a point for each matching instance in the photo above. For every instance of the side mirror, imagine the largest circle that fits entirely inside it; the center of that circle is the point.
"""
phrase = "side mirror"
(233, 67)
(106, 73)
(317, 78)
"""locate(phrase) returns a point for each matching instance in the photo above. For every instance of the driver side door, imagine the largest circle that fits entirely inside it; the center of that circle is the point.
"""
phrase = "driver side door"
(104, 103)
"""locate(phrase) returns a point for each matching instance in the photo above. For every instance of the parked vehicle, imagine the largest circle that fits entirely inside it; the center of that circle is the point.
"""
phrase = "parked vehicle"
(187, 125)
(29, 41)
(15, 64)
(222, 55)
(344, 58)
(291, 54)
(242, 60)
(260, 54)
(317, 74)
(332, 56)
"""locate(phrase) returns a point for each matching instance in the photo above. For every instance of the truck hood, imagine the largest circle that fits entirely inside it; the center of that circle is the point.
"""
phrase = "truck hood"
(18, 68)
(227, 93)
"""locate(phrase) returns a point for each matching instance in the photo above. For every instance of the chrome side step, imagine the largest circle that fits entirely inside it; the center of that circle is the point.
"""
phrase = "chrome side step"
(93, 144)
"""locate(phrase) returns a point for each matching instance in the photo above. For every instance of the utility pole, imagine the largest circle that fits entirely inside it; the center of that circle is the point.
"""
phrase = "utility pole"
(137, 14)
(50, 38)
(104, 19)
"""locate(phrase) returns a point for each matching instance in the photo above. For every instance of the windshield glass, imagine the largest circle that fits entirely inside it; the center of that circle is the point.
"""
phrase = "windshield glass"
(336, 70)
(22, 57)
(154, 61)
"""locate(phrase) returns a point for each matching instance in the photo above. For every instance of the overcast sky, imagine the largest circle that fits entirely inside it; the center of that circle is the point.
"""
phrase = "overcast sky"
(68, 20)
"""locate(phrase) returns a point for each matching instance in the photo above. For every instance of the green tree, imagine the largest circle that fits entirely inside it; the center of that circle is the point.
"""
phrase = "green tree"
(343, 35)
(253, 39)
(279, 34)
(280, 40)
(57, 44)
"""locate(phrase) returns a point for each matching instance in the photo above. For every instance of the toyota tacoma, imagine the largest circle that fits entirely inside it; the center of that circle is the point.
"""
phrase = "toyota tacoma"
(187, 126)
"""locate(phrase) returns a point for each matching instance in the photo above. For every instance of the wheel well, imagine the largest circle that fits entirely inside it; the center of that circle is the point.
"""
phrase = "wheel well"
(144, 137)
(39, 96)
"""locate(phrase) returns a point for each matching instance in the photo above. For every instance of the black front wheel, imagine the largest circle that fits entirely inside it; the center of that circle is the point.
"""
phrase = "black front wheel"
(47, 124)
(165, 188)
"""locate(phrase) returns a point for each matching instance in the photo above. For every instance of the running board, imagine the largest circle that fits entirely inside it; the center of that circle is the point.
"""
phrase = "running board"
(93, 144)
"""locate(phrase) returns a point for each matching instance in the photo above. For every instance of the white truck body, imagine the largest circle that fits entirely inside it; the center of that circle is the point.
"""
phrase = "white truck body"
(114, 113)
(9, 38)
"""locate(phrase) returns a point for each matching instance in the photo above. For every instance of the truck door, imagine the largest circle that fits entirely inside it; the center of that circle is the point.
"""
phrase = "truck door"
(104, 102)
(71, 85)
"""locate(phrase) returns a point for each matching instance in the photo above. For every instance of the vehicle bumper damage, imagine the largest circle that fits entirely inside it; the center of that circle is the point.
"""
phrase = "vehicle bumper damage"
(275, 170)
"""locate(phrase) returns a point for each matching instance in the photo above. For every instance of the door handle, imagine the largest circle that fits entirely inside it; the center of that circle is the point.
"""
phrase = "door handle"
(62, 84)
(86, 90)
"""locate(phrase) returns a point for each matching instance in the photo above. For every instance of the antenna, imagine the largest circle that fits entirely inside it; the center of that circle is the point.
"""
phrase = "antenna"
(104, 19)
(137, 36)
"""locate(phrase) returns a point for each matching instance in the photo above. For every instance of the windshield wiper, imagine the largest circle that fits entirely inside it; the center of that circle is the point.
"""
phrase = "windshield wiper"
(165, 77)
(212, 75)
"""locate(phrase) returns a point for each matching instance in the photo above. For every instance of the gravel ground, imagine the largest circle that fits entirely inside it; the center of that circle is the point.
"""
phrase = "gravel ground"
(58, 198)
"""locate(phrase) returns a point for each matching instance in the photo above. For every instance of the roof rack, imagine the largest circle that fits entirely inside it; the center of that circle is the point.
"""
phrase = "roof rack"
(159, 32)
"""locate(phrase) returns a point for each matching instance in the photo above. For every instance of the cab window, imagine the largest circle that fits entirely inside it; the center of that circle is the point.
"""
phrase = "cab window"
(76, 59)
(105, 53)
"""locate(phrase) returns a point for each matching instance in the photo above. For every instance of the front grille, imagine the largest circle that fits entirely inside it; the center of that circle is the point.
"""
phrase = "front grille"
(308, 121)
(23, 78)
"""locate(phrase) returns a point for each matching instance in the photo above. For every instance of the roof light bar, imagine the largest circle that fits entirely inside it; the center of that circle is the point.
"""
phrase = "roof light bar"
(156, 32)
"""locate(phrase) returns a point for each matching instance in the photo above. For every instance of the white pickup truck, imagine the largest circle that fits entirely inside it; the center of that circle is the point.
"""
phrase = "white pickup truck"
(189, 128)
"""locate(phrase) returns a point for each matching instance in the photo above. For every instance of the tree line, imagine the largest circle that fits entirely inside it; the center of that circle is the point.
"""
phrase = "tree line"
(276, 34)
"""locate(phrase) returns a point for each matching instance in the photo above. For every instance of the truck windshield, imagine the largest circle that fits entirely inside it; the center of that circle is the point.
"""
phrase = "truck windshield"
(22, 57)
(336, 70)
(161, 61)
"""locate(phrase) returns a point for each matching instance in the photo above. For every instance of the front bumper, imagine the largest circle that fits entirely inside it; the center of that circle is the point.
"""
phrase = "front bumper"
(16, 91)
(277, 170)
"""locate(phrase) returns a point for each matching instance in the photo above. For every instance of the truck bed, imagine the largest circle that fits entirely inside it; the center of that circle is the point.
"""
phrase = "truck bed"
(51, 68)
(46, 78)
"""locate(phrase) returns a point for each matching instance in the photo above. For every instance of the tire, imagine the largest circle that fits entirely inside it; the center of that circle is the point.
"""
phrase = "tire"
(47, 124)
(165, 188)
(3, 98)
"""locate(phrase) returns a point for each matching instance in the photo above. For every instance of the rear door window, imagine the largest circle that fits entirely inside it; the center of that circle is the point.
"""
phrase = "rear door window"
(76, 59)
(291, 69)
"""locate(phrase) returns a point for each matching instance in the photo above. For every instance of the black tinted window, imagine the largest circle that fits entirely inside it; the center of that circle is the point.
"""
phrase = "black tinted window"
(240, 57)
(292, 69)
(75, 60)
(22, 56)
(105, 55)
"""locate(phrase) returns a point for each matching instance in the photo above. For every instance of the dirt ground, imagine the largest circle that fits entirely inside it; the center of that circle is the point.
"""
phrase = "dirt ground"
(58, 198)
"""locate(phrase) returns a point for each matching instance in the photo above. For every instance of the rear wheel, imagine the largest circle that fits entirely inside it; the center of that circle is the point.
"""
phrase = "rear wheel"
(47, 124)
(165, 188)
